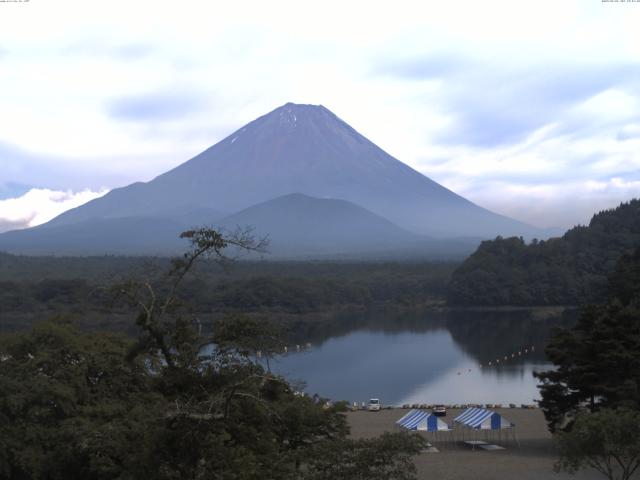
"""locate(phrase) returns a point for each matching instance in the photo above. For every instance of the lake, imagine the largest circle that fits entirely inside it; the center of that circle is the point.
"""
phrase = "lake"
(428, 357)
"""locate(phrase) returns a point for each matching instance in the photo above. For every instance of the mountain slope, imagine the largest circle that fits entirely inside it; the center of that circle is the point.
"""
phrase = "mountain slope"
(306, 149)
(297, 224)
(152, 235)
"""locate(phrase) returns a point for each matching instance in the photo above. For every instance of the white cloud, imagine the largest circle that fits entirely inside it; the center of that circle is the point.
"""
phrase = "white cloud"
(560, 204)
(39, 205)
(559, 174)
(551, 79)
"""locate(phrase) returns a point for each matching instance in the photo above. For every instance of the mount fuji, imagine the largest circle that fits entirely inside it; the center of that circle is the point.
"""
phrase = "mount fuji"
(297, 158)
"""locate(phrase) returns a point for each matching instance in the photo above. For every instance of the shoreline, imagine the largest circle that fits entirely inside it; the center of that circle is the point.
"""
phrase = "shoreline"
(449, 406)
(533, 459)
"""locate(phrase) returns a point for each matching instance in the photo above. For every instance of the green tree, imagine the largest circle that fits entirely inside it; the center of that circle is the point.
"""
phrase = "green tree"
(569, 270)
(608, 441)
(387, 457)
(598, 360)
(71, 407)
(173, 404)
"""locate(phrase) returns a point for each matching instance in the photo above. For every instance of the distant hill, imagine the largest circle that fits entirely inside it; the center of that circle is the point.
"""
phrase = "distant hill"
(97, 236)
(302, 149)
(572, 269)
(296, 225)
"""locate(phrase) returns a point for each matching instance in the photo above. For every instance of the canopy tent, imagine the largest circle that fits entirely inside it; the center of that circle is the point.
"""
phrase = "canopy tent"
(482, 419)
(487, 421)
(422, 421)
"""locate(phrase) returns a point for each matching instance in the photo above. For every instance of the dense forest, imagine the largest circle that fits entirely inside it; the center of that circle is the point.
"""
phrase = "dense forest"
(597, 360)
(569, 270)
(32, 288)
(104, 406)
(591, 396)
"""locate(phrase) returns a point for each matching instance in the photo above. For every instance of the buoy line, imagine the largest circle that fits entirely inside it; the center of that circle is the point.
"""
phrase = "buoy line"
(513, 355)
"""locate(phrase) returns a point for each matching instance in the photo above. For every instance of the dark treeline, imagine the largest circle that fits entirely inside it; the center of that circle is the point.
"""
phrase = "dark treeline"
(570, 270)
(34, 286)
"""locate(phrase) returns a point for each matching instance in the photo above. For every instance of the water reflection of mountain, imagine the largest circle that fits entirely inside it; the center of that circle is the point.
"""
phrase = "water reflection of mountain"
(486, 335)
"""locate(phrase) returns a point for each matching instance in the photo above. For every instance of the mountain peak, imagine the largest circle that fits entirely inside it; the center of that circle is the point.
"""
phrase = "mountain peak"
(299, 111)
(306, 149)
(302, 107)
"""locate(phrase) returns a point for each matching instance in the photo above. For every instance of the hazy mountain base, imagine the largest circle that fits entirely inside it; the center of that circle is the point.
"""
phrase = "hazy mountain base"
(296, 226)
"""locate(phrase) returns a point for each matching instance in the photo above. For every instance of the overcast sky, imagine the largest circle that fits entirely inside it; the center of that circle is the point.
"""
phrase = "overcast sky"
(528, 108)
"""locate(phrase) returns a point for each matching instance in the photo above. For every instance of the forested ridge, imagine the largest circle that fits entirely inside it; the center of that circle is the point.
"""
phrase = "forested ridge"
(33, 288)
(569, 270)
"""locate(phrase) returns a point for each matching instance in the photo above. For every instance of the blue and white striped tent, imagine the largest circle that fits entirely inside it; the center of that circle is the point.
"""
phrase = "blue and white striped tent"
(422, 421)
(482, 419)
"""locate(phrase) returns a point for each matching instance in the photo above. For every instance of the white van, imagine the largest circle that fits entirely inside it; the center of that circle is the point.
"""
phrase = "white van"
(374, 405)
(440, 411)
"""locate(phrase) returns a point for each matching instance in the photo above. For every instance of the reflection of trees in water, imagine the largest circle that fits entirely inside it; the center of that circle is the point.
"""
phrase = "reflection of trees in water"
(485, 335)
(491, 335)
(511, 370)
(386, 320)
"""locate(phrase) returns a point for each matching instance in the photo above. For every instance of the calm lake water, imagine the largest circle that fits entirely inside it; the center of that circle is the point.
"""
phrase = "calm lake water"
(423, 358)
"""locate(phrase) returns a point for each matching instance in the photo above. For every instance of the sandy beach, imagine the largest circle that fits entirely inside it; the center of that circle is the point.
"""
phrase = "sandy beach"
(533, 460)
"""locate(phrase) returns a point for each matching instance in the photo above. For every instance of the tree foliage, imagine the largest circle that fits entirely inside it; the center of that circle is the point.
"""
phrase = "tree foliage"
(71, 407)
(366, 459)
(598, 360)
(284, 289)
(171, 404)
(571, 270)
(608, 441)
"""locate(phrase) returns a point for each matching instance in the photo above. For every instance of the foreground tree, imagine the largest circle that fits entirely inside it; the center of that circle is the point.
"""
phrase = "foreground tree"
(174, 403)
(608, 441)
(598, 360)
(71, 407)
(366, 459)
